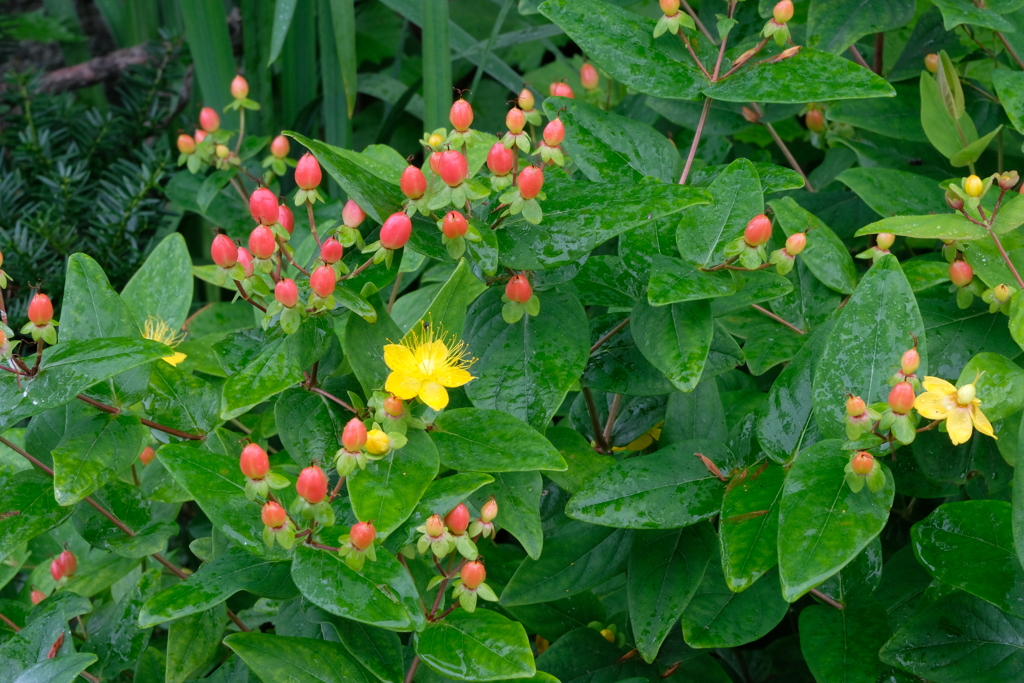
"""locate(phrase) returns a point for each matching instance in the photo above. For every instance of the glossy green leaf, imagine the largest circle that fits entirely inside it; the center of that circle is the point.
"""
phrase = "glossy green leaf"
(192, 642)
(999, 383)
(47, 622)
(947, 134)
(1010, 88)
(30, 508)
(518, 495)
(308, 425)
(162, 286)
(825, 254)
(377, 649)
(957, 12)
(62, 669)
(366, 341)
(1010, 216)
(283, 13)
(755, 287)
(675, 339)
(582, 461)
(749, 525)
(92, 452)
(126, 503)
(834, 25)
(717, 617)
(988, 263)
(99, 572)
(618, 366)
(440, 497)
(895, 117)
(584, 654)
(482, 646)
(945, 226)
(298, 660)
(676, 280)
(839, 645)
(448, 307)
(823, 524)
(182, 400)
(704, 231)
(114, 632)
(91, 306)
(972, 152)
(896, 193)
(477, 439)
(955, 334)
(665, 569)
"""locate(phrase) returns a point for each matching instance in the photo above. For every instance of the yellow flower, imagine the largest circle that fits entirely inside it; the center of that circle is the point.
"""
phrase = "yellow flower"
(377, 442)
(958, 407)
(159, 331)
(644, 440)
(424, 364)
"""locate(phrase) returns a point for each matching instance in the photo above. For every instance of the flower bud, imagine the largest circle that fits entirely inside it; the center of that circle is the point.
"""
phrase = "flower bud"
(562, 90)
(352, 215)
(273, 515)
(222, 151)
(500, 160)
(525, 100)
(461, 115)
(223, 251)
(489, 510)
(931, 62)
(312, 484)
(147, 455)
(910, 362)
(518, 289)
(245, 258)
(37, 596)
(354, 435)
(286, 292)
(1002, 293)
(435, 526)
(280, 147)
(670, 7)
(960, 273)
(1008, 180)
(815, 121)
(457, 520)
(758, 230)
(901, 398)
(209, 120)
(377, 442)
(454, 225)
(239, 88)
(884, 240)
(855, 406)
(262, 242)
(863, 463)
(453, 168)
(530, 181)
(435, 140)
(264, 207)
(588, 76)
(396, 231)
(473, 574)
(973, 186)
(323, 281)
(965, 394)
(40, 310)
(954, 201)
(783, 11)
(186, 144)
(363, 535)
(394, 406)
(307, 172)
(554, 132)
(412, 182)
(331, 251)
(515, 120)
(795, 243)
(254, 462)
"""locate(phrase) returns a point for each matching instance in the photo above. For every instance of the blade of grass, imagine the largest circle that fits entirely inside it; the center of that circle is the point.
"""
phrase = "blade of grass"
(76, 52)
(299, 78)
(335, 112)
(257, 27)
(143, 19)
(388, 125)
(495, 30)
(437, 64)
(343, 20)
(206, 30)
(113, 13)
(284, 10)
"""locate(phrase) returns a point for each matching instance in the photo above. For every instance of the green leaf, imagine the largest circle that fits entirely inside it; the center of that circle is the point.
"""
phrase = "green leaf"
(608, 147)
(754, 287)
(665, 569)
(381, 595)
(972, 152)
(622, 44)
(518, 495)
(192, 642)
(125, 502)
(948, 135)
(448, 307)
(835, 25)
(162, 286)
(872, 331)
(439, 499)
(1000, 386)
(366, 341)
(675, 339)
(717, 617)
(377, 649)
(704, 231)
(62, 669)
(1010, 216)
(91, 306)
(482, 646)
(47, 622)
(283, 12)
(297, 660)
(30, 509)
(114, 633)
(894, 117)
(617, 366)
(948, 226)
(182, 400)
(667, 489)
(839, 644)
(99, 572)
(585, 655)
(895, 193)
(526, 369)
(676, 280)
(988, 263)
(957, 12)
(343, 20)
(582, 461)
(823, 524)
(1010, 88)
(92, 452)
(825, 254)
(476, 439)
(388, 490)
(206, 28)
(552, 620)
(308, 425)
(749, 525)
(579, 216)
(576, 558)
(216, 581)
(698, 414)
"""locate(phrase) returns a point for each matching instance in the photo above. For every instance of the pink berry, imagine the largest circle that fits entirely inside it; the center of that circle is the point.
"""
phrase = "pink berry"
(331, 251)
(901, 398)
(435, 526)
(453, 167)
(758, 230)
(815, 121)
(37, 597)
(273, 515)
(280, 147)
(394, 406)
(518, 289)
(200, 136)
(354, 435)
(40, 310)
(855, 406)
(352, 215)
(186, 144)
(670, 7)
(223, 251)
(307, 172)
(312, 484)
(245, 258)
(461, 115)
(525, 100)
(910, 362)
(500, 160)
(960, 273)
(863, 463)
(286, 292)
(530, 181)
(783, 11)
(795, 243)
(262, 242)
(457, 520)
(209, 120)
(412, 182)
(588, 76)
(263, 206)
(322, 281)
(254, 462)
(515, 120)
(489, 511)
(69, 562)
(147, 455)
(286, 218)
(239, 88)
(563, 90)
(454, 225)
(363, 535)
(396, 231)
(554, 132)
(473, 574)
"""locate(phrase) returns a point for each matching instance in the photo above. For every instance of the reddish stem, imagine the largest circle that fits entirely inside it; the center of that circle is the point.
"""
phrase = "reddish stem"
(246, 296)
(149, 423)
(777, 318)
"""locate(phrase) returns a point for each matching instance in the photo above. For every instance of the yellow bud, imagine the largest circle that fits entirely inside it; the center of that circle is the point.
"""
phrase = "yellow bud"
(377, 442)
(1002, 293)
(965, 394)
(973, 186)
(435, 140)
(884, 240)
(222, 151)
(608, 635)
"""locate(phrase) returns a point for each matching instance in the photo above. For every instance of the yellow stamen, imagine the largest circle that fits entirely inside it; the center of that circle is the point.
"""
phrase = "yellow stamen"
(158, 330)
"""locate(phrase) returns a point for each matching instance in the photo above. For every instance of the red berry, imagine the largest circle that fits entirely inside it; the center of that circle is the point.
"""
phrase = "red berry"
(396, 231)
(515, 120)
(435, 162)
(525, 100)
(223, 251)
(254, 462)
(37, 597)
(394, 406)
(3, 339)
(262, 242)
(286, 293)
(454, 225)
(331, 251)
(147, 455)
(453, 167)
(529, 182)
(322, 281)
(901, 398)
(186, 144)
(56, 569)
(263, 206)
(855, 406)
(554, 132)
(354, 435)
(931, 62)
(795, 243)
(500, 160)
(670, 7)
(435, 526)
(64, 565)
(960, 273)
(362, 535)
(563, 90)
(200, 136)
(245, 258)
(815, 121)
(588, 76)
(518, 289)
(209, 120)
(239, 88)
(489, 511)
(312, 484)
(457, 520)
(461, 115)
(413, 183)
(307, 172)
(273, 515)
(863, 463)
(40, 310)
(280, 147)
(473, 574)
(910, 362)
(352, 215)
(286, 218)
(783, 11)
(758, 230)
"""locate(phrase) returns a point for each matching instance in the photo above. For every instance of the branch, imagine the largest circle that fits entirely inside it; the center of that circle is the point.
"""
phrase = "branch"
(777, 318)
(595, 424)
(696, 20)
(359, 269)
(611, 333)
(149, 423)
(1010, 50)
(879, 51)
(696, 141)
(826, 599)
(246, 296)
(312, 222)
(613, 413)
(327, 394)
(857, 58)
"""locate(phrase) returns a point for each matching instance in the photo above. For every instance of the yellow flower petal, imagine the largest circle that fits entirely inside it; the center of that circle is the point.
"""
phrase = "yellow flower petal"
(400, 359)
(933, 405)
(175, 358)
(402, 385)
(430, 358)
(958, 425)
(981, 422)
(434, 395)
(452, 377)
(937, 385)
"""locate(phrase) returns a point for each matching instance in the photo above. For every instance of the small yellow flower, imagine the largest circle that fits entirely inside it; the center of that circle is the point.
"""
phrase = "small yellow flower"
(377, 442)
(157, 330)
(424, 364)
(644, 440)
(958, 407)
